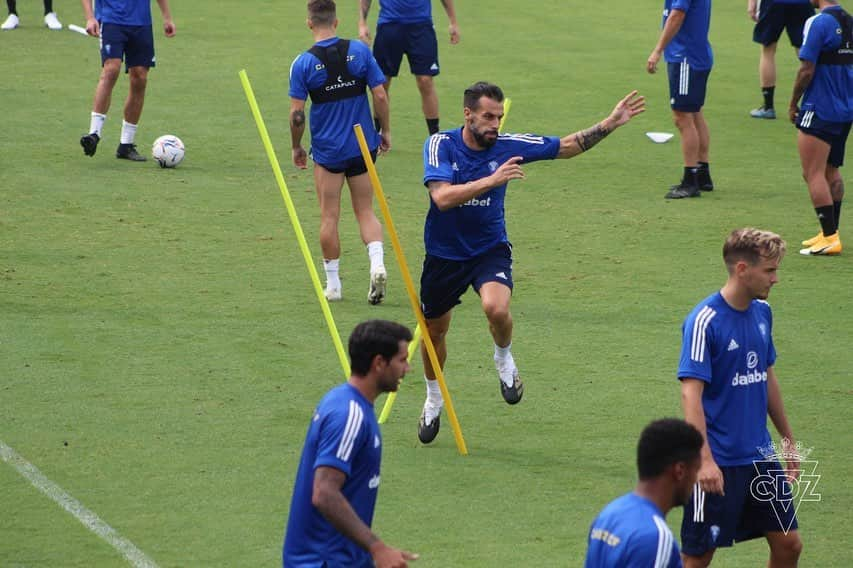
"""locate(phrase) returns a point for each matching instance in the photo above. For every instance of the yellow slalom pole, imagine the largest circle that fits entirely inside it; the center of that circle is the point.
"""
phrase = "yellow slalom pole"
(507, 105)
(410, 287)
(392, 396)
(294, 219)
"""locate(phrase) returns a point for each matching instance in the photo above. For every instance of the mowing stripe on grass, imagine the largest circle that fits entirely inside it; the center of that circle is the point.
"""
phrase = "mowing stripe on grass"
(89, 519)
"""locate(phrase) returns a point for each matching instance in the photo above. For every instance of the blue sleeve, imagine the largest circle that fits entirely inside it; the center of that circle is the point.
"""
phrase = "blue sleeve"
(697, 337)
(438, 162)
(643, 552)
(341, 435)
(298, 78)
(815, 37)
(682, 5)
(771, 349)
(532, 147)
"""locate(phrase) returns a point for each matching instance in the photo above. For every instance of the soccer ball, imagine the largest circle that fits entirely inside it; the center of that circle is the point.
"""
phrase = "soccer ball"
(168, 151)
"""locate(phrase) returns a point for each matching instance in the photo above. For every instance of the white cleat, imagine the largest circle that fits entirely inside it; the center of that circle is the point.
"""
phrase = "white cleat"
(333, 294)
(11, 23)
(52, 22)
(376, 292)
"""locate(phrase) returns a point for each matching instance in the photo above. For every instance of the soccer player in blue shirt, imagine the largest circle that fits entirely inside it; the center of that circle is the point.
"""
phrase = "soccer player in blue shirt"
(405, 27)
(467, 171)
(631, 531)
(334, 494)
(336, 73)
(728, 389)
(825, 84)
(684, 44)
(771, 17)
(124, 27)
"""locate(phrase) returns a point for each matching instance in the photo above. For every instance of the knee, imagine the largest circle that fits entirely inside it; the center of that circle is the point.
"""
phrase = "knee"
(497, 312)
(682, 121)
(792, 547)
(425, 84)
(437, 331)
(138, 83)
(109, 74)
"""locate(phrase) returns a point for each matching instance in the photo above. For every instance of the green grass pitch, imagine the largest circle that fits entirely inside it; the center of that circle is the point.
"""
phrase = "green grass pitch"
(161, 349)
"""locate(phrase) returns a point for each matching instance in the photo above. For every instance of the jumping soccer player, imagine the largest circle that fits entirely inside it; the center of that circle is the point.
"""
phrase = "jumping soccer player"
(728, 389)
(124, 27)
(405, 27)
(467, 171)
(338, 478)
(632, 530)
(336, 73)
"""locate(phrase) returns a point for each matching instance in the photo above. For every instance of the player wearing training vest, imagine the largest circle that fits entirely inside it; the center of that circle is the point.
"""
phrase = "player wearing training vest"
(631, 531)
(336, 74)
(334, 494)
(823, 117)
(728, 389)
(466, 171)
(683, 43)
(405, 28)
(124, 27)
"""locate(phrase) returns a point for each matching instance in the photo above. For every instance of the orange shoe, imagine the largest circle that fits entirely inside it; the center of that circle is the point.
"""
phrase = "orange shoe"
(830, 245)
(813, 240)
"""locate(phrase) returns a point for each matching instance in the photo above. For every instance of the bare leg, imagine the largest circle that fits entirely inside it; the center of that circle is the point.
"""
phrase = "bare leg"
(429, 98)
(703, 135)
(686, 124)
(103, 92)
(495, 298)
(767, 66)
(437, 328)
(361, 193)
(698, 561)
(136, 94)
(785, 549)
(328, 187)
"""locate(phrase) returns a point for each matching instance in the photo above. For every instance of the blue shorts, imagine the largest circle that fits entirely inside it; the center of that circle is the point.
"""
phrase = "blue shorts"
(833, 133)
(686, 87)
(351, 167)
(774, 17)
(416, 40)
(133, 44)
(444, 281)
(758, 500)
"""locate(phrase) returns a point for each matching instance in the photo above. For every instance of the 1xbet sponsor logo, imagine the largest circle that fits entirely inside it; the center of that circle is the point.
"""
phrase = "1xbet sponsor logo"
(474, 202)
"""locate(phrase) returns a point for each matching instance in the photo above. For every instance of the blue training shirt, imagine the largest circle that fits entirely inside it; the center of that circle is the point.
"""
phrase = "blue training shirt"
(404, 11)
(691, 42)
(731, 351)
(332, 136)
(344, 435)
(631, 532)
(123, 12)
(471, 229)
(830, 93)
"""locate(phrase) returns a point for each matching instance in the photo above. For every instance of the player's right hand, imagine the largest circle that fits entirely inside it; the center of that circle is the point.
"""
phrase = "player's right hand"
(652, 61)
(93, 28)
(511, 169)
(364, 33)
(384, 142)
(300, 158)
(454, 33)
(752, 10)
(385, 556)
(710, 477)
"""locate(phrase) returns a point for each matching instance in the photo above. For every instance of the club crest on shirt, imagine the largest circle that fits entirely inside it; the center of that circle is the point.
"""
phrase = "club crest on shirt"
(493, 165)
(762, 327)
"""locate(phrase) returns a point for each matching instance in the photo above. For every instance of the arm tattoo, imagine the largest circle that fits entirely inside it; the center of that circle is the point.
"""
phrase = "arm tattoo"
(297, 119)
(365, 8)
(588, 138)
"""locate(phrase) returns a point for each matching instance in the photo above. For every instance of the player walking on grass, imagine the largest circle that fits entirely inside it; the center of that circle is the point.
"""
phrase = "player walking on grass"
(467, 171)
(728, 389)
(771, 17)
(405, 27)
(684, 44)
(334, 494)
(12, 21)
(825, 84)
(125, 29)
(632, 530)
(335, 73)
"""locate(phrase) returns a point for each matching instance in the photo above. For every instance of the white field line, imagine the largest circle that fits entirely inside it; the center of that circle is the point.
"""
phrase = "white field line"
(89, 519)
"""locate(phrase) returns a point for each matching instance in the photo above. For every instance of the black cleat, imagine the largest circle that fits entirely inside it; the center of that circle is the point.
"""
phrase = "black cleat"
(706, 185)
(128, 152)
(90, 143)
(681, 191)
(512, 395)
(428, 432)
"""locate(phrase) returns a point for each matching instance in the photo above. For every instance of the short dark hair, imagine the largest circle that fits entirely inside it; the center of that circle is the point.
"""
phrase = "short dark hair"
(751, 245)
(665, 442)
(372, 338)
(322, 12)
(481, 89)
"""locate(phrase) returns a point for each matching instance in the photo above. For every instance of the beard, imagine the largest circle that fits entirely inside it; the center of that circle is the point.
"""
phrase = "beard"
(482, 139)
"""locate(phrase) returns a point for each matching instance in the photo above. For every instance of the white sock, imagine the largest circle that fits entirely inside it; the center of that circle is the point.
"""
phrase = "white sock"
(503, 353)
(333, 280)
(433, 392)
(128, 132)
(96, 123)
(376, 254)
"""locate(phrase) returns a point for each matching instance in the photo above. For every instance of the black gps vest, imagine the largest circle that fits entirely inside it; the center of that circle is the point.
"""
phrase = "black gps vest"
(340, 83)
(843, 54)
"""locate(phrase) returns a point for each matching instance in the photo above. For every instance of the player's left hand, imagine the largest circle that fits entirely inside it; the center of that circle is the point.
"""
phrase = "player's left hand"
(652, 62)
(626, 109)
(169, 28)
(793, 113)
(384, 142)
(454, 33)
(792, 461)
